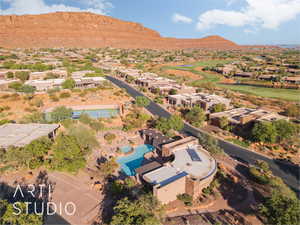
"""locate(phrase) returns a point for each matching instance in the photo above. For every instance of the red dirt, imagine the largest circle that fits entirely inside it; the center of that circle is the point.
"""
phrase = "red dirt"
(78, 29)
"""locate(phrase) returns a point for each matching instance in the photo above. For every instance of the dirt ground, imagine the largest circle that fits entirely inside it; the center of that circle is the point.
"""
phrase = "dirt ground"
(184, 74)
(18, 106)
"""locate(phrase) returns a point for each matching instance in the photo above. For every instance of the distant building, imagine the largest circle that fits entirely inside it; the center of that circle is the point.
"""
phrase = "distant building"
(293, 80)
(203, 100)
(84, 82)
(243, 116)
(80, 74)
(44, 85)
(19, 135)
(88, 82)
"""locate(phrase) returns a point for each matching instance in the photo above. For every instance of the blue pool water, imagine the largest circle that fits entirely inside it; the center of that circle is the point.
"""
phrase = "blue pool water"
(97, 113)
(125, 149)
(134, 160)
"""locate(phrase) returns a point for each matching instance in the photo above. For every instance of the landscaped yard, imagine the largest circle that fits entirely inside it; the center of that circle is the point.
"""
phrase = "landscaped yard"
(286, 94)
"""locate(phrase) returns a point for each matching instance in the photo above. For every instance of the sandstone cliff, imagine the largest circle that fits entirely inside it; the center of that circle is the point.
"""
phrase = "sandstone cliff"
(88, 30)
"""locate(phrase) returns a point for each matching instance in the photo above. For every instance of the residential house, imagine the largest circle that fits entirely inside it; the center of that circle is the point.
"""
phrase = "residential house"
(203, 100)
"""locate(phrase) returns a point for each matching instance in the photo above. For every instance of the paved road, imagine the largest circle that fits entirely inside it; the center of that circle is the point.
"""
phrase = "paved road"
(290, 174)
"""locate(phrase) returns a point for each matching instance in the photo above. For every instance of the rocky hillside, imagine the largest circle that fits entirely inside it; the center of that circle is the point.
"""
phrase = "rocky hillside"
(75, 29)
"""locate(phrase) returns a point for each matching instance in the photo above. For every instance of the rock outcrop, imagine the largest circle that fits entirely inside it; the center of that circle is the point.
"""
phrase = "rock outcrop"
(88, 30)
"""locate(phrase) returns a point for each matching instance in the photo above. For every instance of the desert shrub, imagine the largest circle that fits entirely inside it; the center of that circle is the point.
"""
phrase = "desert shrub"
(60, 113)
(109, 137)
(85, 137)
(65, 95)
(186, 199)
(54, 98)
(38, 102)
(97, 126)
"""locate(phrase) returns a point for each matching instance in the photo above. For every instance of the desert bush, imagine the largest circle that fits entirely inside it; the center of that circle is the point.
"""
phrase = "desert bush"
(65, 95)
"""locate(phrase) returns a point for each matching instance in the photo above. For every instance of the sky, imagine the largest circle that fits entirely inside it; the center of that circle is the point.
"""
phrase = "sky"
(242, 21)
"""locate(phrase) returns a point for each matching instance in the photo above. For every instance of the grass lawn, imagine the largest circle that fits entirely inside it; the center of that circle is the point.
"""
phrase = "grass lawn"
(286, 94)
(206, 77)
(197, 64)
(211, 62)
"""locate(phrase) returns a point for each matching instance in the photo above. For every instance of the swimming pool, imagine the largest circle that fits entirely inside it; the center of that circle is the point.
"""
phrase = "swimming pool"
(134, 160)
(125, 149)
(96, 113)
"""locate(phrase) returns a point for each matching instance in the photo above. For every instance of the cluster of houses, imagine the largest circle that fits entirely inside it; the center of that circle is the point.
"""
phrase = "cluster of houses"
(152, 81)
(40, 81)
(261, 72)
(187, 98)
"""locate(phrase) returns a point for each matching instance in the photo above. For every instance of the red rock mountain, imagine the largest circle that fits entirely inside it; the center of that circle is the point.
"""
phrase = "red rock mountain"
(77, 29)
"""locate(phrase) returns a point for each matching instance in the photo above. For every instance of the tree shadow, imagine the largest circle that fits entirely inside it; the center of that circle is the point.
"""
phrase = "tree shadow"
(289, 168)
(237, 194)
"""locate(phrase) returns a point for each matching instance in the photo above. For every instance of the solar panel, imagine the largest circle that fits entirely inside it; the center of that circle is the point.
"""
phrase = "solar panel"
(194, 156)
(173, 178)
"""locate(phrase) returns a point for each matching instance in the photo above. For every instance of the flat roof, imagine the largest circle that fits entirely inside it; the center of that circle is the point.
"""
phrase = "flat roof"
(158, 176)
(148, 167)
(19, 135)
(197, 163)
(192, 160)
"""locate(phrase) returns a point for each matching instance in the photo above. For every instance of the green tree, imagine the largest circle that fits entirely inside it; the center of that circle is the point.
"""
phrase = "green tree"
(196, 116)
(218, 108)
(22, 75)
(36, 117)
(10, 75)
(292, 110)
(68, 84)
(142, 101)
(134, 120)
(210, 144)
(281, 210)
(8, 215)
(67, 155)
(85, 137)
(27, 89)
(108, 167)
(15, 85)
(284, 129)
(162, 124)
(60, 113)
(264, 132)
(173, 92)
(141, 211)
(224, 123)
(186, 199)
(176, 122)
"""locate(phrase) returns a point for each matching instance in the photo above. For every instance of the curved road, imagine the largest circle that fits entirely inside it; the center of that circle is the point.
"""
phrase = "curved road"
(290, 174)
